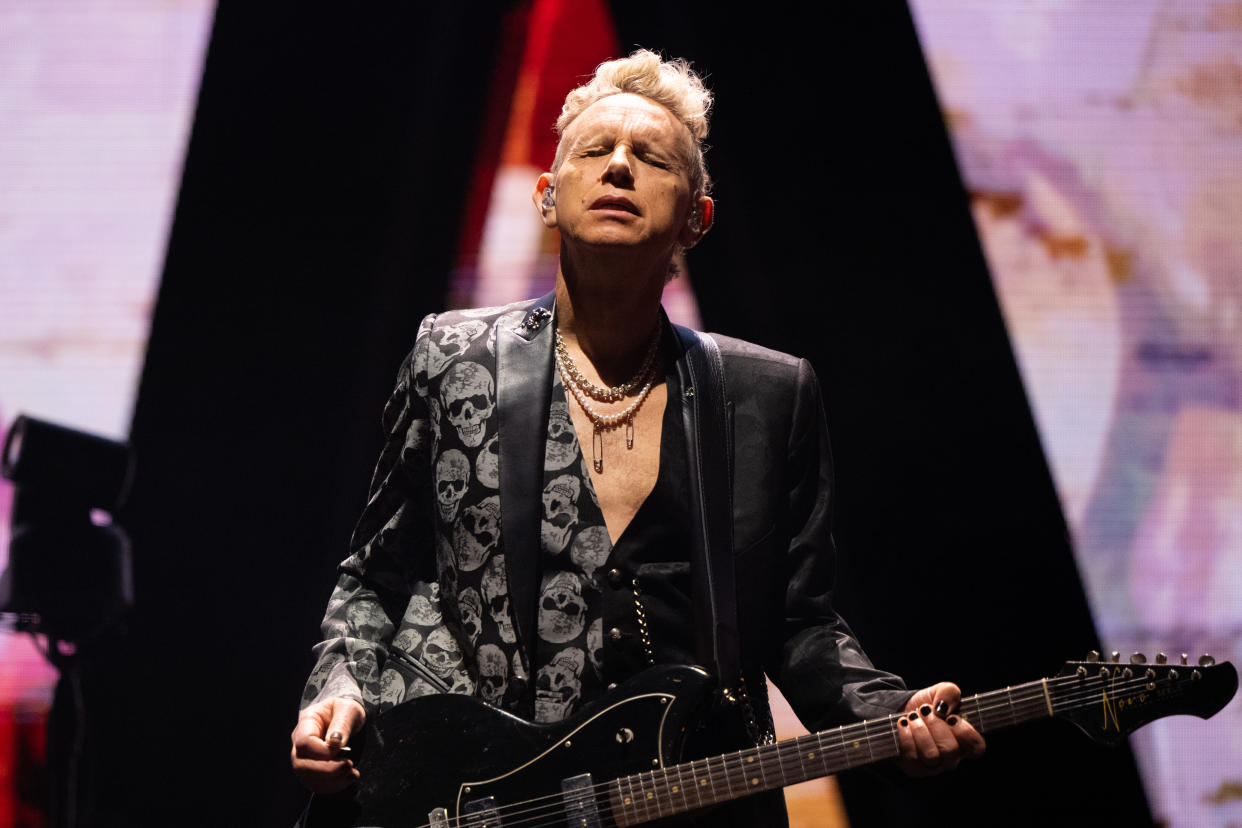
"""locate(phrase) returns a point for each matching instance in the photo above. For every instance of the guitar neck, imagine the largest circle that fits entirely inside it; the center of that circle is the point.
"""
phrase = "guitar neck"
(678, 788)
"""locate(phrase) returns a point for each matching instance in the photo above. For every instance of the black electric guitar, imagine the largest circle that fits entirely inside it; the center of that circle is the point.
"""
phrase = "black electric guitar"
(448, 761)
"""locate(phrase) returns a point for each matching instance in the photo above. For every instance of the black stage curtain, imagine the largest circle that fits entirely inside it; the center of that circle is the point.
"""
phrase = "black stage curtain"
(325, 178)
(843, 235)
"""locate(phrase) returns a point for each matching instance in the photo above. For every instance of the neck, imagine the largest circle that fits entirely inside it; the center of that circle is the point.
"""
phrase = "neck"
(608, 316)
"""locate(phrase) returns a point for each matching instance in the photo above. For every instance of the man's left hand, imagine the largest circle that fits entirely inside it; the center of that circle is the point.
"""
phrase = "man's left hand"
(932, 736)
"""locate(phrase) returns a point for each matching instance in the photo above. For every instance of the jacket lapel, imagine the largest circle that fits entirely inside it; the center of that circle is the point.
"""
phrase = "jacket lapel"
(523, 397)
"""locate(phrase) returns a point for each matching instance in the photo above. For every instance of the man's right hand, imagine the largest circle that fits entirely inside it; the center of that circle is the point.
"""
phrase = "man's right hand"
(322, 730)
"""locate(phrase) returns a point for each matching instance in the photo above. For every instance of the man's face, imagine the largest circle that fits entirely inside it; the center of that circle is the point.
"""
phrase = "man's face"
(624, 180)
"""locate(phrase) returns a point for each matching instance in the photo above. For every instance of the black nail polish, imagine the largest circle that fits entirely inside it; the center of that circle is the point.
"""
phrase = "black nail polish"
(942, 708)
(925, 710)
(913, 716)
(904, 723)
(952, 720)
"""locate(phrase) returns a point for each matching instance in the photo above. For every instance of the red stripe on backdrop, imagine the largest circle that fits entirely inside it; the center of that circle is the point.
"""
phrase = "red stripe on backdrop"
(548, 47)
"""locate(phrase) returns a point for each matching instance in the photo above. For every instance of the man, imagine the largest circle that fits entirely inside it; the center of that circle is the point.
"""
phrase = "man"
(500, 555)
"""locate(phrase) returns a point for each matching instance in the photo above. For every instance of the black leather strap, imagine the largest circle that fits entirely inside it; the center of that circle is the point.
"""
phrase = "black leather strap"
(709, 447)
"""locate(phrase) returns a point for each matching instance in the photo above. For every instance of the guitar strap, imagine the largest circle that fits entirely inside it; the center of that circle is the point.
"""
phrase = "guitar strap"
(709, 445)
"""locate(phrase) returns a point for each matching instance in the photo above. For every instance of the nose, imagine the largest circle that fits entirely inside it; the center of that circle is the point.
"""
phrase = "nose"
(620, 170)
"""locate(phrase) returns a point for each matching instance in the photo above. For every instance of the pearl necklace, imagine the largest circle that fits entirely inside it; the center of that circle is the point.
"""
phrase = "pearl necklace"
(614, 393)
(580, 387)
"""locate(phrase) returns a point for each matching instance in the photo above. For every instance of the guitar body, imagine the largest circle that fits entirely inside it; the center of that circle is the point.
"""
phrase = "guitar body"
(454, 753)
(449, 761)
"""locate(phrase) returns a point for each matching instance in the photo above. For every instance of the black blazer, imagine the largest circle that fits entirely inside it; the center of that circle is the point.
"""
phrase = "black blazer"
(782, 544)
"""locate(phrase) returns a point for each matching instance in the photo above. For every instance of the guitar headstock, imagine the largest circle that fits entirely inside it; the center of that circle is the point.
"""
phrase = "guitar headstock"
(1108, 699)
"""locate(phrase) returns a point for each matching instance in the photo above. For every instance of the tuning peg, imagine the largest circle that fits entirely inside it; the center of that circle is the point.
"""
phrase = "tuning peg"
(1116, 657)
(1206, 661)
(1093, 656)
(1161, 658)
(1127, 674)
(1138, 658)
(1184, 657)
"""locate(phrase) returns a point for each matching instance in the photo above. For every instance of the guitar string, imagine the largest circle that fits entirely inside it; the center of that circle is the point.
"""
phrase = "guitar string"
(1035, 702)
(660, 783)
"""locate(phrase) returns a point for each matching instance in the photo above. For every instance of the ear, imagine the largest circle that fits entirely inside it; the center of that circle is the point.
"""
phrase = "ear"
(700, 220)
(547, 213)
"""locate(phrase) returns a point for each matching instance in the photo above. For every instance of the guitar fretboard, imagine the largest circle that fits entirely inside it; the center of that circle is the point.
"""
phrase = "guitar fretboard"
(684, 787)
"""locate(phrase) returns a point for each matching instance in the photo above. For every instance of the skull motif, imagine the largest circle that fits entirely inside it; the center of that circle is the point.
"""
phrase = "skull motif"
(560, 512)
(559, 685)
(441, 652)
(419, 366)
(392, 689)
(450, 342)
(319, 677)
(591, 548)
(461, 683)
(471, 607)
(433, 408)
(487, 464)
(493, 674)
(417, 439)
(424, 607)
(562, 445)
(496, 598)
(468, 394)
(452, 476)
(420, 687)
(562, 609)
(364, 620)
(476, 533)
(595, 643)
(507, 322)
(408, 640)
(366, 666)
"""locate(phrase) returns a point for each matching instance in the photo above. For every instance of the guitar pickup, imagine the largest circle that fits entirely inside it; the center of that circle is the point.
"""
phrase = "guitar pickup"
(481, 813)
(581, 807)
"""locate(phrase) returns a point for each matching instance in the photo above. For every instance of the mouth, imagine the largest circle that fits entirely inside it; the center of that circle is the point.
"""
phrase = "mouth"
(617, 203)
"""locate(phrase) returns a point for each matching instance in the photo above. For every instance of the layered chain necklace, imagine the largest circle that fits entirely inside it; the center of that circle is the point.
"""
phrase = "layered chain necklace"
(584, 390)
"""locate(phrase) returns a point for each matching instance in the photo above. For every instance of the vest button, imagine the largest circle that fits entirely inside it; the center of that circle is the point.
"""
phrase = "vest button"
(614, 577)
(614, 634)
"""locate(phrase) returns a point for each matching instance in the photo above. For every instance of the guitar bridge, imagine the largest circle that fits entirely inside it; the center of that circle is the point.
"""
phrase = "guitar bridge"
(581, 807)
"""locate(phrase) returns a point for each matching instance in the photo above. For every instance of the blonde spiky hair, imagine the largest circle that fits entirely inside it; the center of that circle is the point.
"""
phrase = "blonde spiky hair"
(670, 83)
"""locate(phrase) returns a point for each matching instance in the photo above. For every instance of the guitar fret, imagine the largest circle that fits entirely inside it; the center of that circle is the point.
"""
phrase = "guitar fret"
(728, 775)
(778, 757)
(640, 798)
(698, 786)
(850, 747)
(751, 761)
(622, 812)
(664, 791)
(805, 752)
(822, 755)
(680, 788)
(653, 795)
